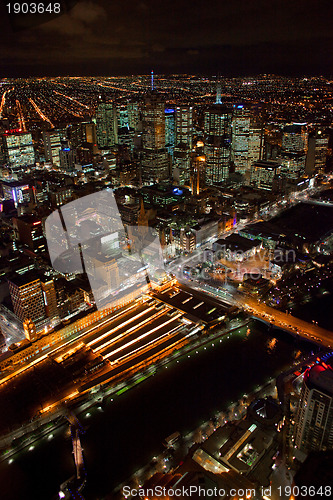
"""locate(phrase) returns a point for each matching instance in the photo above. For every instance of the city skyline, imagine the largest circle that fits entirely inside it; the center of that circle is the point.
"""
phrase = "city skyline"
(166, 249)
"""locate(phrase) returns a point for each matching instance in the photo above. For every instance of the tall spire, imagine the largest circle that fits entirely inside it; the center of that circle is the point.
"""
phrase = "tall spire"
(218, 91)
(152, 80)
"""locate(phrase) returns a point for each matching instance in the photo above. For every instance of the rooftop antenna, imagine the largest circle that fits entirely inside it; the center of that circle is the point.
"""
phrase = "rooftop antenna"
(152, 80)
(218, 90)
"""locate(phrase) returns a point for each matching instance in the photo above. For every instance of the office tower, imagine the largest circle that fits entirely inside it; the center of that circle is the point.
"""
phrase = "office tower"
(155, 163)
(240, 139)
(67, 158)
(263, 174)
(197, 173)
(27, 296)
(126, 138)
(122, 116)
(321, 146)
(18, 151)
(314, 420)
(106, 125)
(255, 144)
(90, 132)
(170, 137)
(52, 146)
(133, 116)
(80, 133)
(184, 125)
(181, 164)
(294, 149)
(28, 229)
(217, 149)
(50, 297)
(218, 92)
(183, 143)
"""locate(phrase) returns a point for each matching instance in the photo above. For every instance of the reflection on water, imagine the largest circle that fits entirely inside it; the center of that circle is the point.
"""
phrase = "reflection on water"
(130, 430)
(271, 344)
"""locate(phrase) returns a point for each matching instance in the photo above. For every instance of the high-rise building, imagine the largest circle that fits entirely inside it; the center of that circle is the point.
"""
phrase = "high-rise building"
(133, 115)
(184, 125)
(122, 116)
(263, 174)
(50, 297)
(80, 133)
(106, 125)
(170, 137)
(155, 162)
(240, 138)
(52, 146)
(321, 146)
(28, 230)
(197, 173)
(314, 420)
(217, 149)
(67, 158)
(183, 143)
(255, 144)
(181, 164)
(27, 297)
(294, 149)
(18, 151)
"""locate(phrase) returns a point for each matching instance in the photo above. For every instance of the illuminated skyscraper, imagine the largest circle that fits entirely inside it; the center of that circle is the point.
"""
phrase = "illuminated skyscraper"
(27, 297)
(170, 130)
(217, 149)
(52, 146)
(18, 150)
(155, 163)
(321, 146)
(67, 159)
(184, 125)
(240, 138)
(133, 115)
(314, 421)
(255, 144)
(106, 125)
(294, 149)
(197, 173)
(80, 133)
(183, 143)
(263, 174)
(122, 116)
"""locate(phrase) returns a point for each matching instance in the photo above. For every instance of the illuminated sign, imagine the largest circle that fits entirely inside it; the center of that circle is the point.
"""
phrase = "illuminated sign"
(169, 111)
(13, 131)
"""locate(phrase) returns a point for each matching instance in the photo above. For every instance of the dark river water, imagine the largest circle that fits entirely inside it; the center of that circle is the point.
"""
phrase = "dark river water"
(130, 430)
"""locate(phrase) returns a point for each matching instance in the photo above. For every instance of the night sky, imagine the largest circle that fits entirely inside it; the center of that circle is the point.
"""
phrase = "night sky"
(122, 37)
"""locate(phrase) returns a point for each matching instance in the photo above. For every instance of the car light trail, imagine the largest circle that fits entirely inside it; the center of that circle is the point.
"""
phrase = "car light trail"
(72, 99)
(20, 115)
(3, 100)
(40, 113)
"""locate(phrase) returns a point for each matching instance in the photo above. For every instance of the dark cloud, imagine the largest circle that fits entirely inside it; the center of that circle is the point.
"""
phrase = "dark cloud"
(127, 36)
